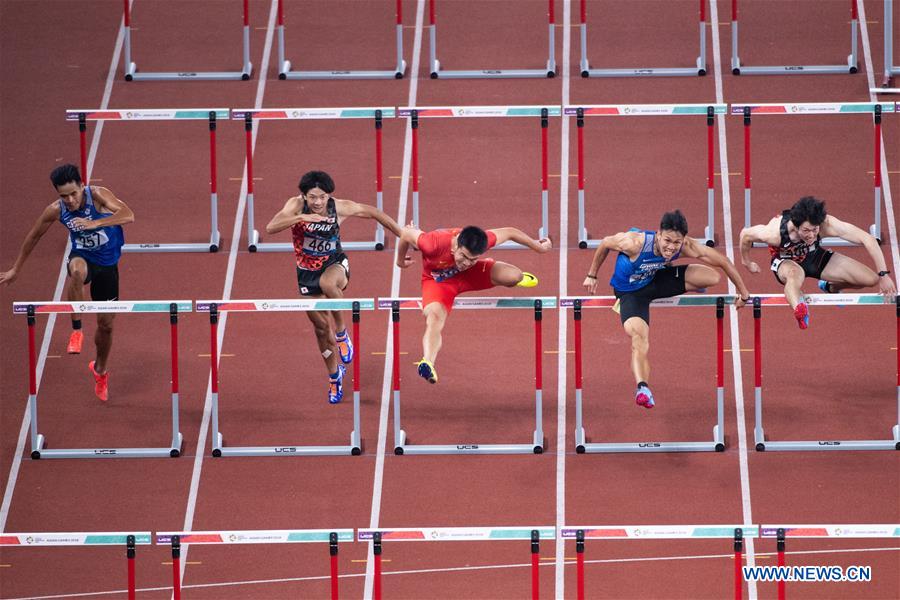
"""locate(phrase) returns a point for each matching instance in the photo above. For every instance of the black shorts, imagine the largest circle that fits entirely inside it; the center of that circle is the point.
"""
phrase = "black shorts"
(812, 266)
(308, 281)
(104, 280)
(666, 283)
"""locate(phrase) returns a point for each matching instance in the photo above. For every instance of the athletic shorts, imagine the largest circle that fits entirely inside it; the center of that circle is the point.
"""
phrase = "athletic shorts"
(477, 277)
(666, 283)
(308, 281)
(104, 280)
(812, 266)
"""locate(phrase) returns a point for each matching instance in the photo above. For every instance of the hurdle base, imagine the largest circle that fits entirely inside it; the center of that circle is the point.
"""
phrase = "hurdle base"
(212, 246)
(698, 70)
(547, 73)
(535, 447)
(849, 68)
(583, 447)
(287, 73)
(829, 445)
(131, 74)
(220, 450)
(173, 451)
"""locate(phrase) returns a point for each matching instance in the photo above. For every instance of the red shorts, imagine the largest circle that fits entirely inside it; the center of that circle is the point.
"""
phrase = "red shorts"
(477, 277)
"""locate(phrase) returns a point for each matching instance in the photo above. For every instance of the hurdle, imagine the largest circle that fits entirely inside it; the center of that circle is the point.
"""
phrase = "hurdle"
(214, 307)
(131, 70)
(273, 536)
(890, 69)
(248, 115)
(851, 66)
(435, 65)
(718, 442)
(55, 539)
(211, 115)
(395, 305)
(856, 531)
(580, 533)
(427, 112)
(698, 69)
(816, 108)
(32, 309)
(614, 110)
(532, 534)
(284, 66)
(764, 444)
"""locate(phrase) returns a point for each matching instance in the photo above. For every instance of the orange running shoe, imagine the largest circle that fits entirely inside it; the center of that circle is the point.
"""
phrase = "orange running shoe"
(101, 383)
(75, 341)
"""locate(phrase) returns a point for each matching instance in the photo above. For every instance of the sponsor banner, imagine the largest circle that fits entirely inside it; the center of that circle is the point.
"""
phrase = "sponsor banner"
(387, 112)
(456, 534)
(148, 114)
(658, 531)
(73, 539)
(299, 304)
(888, 530)
(813, 108)
(275, 536)
(645, 109)
(478, 111)
(113, 306)
(474, 302)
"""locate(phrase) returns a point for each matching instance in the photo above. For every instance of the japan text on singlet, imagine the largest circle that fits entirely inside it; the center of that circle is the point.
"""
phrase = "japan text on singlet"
(630, 275)
(101, 246)
(317, 245)
(790, 250)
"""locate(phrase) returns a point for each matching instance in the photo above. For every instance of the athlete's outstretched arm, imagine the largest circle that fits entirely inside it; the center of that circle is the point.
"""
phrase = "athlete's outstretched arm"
(290, 215)
(714, 258)
(106, 201)
(620, 242)
(37, 231)
(348, 208)
(855, 235)
(409, 237)
(505, 234)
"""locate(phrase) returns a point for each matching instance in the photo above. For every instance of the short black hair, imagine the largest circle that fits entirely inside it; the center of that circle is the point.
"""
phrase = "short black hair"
(674, 221)
(473, 239)
(316, 179)
(808, 208)
(63, 174)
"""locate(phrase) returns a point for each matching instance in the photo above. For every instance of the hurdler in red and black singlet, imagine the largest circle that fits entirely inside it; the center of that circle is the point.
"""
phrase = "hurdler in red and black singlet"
(317, 246)
(811, 257)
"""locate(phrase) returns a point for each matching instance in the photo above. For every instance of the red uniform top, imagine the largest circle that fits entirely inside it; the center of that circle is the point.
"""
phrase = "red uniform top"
(437, 258)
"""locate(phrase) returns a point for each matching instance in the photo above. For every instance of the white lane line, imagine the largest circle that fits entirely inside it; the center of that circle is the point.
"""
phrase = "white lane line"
(562, 314)
(57, 293)
(395, 291)
(226, 294)
(741, 423)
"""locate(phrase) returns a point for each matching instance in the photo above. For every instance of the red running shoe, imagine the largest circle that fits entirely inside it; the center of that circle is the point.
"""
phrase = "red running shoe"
(101, 383)
(801, 313)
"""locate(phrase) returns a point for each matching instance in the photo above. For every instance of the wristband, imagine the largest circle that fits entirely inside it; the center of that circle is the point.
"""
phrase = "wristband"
(589, 276)
(883, 273)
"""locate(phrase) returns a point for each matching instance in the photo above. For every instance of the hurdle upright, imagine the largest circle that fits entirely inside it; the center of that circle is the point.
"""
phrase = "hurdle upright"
(613, 110)
(851, 66)
(249, 115)
(211, 115)
(31, 309)
(284, 66)
(395, 305)
(762, 443)
(698, 69)
(214, 307)
(718, 442)
(890, 69)
(817, 108)
(437, 72)
(131, 70)
(415, 114)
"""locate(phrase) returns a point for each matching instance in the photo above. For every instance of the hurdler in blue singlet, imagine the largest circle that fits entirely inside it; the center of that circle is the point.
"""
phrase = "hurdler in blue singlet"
(101, 246)
(630, 275)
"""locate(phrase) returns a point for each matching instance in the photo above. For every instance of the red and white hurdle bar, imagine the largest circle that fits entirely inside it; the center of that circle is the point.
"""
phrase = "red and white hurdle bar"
(614, 110)
(841, 300)
(276, 536)
(284, 66)
(31, 309)
(131, 70)
(580, 533)
(817, 108)
(851, 66)
(214, 307)
(718, 442)
(249, 115)
(211, 115)
(437, 72)
(533, 534)
(698, 69)
(855, 531)
(415, 113)
(395, 305)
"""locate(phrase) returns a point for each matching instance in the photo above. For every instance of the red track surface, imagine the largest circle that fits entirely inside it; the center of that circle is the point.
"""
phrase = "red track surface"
(834, 381)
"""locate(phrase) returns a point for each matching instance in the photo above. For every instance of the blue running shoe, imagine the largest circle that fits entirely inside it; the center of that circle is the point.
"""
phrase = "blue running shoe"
(345, 346)
(825, 286)
(427, 371)
(644, 397)
(336, 387)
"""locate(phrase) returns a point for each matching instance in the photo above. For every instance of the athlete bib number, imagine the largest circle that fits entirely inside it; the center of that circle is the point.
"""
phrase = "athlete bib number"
(91, 240)
(317, 246)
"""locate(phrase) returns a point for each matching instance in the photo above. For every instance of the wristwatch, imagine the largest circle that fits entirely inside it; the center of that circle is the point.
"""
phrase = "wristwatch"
(883, 273)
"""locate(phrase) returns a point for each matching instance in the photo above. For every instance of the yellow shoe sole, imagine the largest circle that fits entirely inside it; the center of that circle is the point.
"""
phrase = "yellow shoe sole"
(528, 280)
